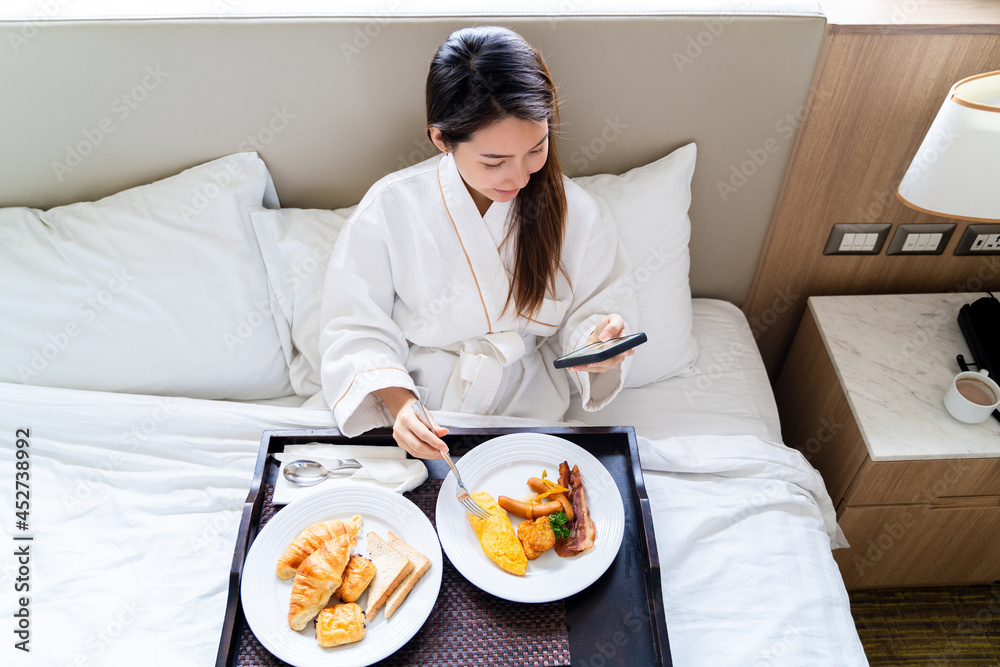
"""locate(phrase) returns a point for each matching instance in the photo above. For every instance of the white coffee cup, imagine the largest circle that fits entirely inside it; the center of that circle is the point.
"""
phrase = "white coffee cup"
(972, 397)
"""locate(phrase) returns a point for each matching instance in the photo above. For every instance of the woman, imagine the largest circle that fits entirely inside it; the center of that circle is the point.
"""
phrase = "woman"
(460, 279)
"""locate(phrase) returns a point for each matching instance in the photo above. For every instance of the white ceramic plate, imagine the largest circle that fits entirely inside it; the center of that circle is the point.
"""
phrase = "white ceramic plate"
(502, 466)
(265, 596)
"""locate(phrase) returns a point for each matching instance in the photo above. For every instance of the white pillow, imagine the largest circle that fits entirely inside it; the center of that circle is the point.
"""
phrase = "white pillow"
(159, 289)
(296, 245)
(650, 207)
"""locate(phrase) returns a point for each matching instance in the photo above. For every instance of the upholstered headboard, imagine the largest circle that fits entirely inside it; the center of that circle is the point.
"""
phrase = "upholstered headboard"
(97, 98)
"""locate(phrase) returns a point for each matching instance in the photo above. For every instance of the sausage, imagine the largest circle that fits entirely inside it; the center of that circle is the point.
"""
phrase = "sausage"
(526, 511)
(539, 486)
(567, 506)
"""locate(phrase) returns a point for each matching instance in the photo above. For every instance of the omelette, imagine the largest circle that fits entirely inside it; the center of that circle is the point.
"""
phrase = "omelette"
(497, 536)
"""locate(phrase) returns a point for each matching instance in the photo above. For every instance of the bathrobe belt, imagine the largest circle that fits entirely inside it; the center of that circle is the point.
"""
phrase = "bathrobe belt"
(477, 379)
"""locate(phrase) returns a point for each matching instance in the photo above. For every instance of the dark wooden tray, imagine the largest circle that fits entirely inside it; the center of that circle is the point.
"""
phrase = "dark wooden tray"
(617, 620)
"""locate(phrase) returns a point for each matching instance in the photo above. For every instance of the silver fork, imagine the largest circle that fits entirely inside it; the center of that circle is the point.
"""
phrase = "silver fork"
(463, 493)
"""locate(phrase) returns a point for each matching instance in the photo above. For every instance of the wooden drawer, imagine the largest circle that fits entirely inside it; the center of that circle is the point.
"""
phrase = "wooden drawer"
(920, 545)
(922, 482)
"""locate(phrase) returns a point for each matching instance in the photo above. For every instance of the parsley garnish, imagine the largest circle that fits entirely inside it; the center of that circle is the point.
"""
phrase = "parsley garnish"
(558, 521)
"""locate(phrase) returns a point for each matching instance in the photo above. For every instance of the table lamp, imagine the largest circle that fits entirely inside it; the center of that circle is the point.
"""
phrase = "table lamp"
(956, 171)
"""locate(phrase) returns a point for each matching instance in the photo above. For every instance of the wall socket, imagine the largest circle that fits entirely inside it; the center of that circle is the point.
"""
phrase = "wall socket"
(979, 240)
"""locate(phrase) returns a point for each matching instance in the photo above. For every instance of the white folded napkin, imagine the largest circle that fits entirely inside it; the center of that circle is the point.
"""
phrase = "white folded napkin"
(387, 467)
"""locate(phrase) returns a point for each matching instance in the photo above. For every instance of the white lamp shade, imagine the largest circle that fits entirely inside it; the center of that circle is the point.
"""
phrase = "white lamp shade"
(956, 171)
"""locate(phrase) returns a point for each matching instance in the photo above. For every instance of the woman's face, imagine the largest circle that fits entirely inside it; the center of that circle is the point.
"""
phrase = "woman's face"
(497, 161)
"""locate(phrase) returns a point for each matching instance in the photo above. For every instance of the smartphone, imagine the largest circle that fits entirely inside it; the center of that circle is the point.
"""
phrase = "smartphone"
(599, 351)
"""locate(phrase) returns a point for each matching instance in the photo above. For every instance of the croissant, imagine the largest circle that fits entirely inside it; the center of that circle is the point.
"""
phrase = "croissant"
(320, 574)
(307, 542)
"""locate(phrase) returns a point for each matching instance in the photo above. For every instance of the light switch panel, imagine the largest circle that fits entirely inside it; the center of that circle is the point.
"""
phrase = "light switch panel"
(930, 239)
(856, 239)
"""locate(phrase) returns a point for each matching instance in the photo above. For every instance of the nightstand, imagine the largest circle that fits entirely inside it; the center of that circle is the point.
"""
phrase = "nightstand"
(917, 492)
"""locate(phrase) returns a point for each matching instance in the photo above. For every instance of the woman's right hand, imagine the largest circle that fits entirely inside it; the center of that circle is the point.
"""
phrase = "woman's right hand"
(408, 430)
(412, 434)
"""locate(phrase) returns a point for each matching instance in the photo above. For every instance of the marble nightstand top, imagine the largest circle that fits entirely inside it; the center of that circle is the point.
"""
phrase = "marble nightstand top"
(895, 355)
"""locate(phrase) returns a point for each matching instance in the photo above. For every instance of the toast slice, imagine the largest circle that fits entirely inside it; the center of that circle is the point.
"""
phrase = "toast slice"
(421, 564)
(391, 567)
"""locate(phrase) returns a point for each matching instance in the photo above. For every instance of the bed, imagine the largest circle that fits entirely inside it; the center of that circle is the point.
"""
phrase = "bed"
(146, 180)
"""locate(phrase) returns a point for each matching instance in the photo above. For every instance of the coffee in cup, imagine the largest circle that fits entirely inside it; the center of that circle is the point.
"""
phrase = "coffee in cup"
(972, 397)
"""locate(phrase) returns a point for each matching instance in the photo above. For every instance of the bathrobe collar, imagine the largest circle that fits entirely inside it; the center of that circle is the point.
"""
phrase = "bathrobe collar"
(488, 272)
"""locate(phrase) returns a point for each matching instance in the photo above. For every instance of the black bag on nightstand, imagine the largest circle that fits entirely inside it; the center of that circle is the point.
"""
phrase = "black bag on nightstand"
(980, 324)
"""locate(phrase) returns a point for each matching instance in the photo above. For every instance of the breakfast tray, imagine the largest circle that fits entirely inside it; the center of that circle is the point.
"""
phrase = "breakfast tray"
(618, 620)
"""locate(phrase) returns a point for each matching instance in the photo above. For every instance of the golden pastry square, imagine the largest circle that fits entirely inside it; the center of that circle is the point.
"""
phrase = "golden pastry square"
(340, 624)
(357, 575)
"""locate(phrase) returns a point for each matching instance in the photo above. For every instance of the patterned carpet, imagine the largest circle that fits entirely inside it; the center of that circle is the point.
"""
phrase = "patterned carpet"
(929, 627)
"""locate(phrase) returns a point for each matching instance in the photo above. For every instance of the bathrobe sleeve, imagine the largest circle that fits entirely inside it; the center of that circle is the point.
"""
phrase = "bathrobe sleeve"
(600, 274)
(362, 348)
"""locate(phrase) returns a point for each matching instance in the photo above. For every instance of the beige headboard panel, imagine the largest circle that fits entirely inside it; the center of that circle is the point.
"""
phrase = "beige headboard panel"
(94, 102)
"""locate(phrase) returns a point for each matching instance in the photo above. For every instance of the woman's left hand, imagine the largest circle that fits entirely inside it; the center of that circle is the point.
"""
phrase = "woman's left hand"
(612, 326)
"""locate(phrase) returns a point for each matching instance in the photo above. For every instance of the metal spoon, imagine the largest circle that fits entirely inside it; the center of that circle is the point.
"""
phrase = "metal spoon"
(308, 473)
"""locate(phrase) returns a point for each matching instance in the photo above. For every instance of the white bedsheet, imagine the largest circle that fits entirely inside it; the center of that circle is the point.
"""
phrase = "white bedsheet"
(744, 530)
(727, 393)
(135, 502)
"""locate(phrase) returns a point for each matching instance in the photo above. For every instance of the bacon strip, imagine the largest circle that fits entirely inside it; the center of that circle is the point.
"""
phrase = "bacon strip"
(584, 530)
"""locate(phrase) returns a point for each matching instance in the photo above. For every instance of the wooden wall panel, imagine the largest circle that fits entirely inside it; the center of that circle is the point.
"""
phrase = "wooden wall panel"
(875, 94)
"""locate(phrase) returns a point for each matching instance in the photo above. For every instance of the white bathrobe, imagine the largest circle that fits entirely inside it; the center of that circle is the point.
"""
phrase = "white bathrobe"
(414, 294)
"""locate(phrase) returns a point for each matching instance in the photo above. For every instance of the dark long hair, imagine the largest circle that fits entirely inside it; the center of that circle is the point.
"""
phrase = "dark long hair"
(478, 77)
